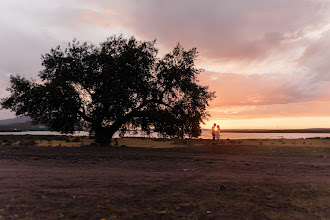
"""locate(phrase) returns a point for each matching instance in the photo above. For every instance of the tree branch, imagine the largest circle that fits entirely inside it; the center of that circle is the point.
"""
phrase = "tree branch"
(85, 117)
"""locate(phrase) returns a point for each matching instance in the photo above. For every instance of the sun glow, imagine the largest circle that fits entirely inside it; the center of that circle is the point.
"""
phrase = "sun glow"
(271, 123)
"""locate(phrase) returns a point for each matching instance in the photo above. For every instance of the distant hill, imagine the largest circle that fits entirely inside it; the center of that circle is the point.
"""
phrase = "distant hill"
(21, 119)
(20, 124)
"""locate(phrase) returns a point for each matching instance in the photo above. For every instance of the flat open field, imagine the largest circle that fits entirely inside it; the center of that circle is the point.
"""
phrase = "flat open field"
(159, 179)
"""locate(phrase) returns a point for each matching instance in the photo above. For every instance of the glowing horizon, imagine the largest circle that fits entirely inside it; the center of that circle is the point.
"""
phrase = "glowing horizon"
(270, 123)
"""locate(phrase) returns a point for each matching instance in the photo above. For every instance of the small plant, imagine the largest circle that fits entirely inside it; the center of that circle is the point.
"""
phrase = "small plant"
(116, 141)
(48, 139)
(180, 141)
(28, 143)
(7, 142)
(76, 139)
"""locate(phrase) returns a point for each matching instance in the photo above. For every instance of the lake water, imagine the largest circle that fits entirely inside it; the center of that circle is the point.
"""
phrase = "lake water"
(205, 135)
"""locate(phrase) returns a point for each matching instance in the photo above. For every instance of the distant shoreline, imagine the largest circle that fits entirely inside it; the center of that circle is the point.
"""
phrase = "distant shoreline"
(311, 130)
(316, 130)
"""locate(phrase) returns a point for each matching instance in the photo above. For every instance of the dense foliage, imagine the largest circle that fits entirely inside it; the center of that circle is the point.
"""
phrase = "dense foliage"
(118, 85)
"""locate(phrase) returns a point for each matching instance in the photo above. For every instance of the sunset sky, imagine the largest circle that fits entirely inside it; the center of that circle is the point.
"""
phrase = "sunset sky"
(267, 60)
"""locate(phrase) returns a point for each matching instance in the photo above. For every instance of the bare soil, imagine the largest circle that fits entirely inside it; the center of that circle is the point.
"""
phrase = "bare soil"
(149, 183)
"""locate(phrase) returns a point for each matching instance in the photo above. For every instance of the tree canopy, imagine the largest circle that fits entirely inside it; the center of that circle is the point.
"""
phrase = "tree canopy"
(117, 85)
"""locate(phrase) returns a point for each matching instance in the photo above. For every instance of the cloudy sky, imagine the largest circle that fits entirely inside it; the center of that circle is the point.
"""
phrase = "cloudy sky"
(267, 60)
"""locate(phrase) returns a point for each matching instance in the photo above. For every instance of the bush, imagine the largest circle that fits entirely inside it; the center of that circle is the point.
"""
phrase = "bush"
(8, 143)
(5, 140)
(28, 143)
(76, 139)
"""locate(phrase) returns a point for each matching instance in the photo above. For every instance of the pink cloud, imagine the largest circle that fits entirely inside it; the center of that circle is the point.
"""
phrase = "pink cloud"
(266, 95)
(259, 89)
(221, 30)
(316, 58)
(226, 30)
(303, 109)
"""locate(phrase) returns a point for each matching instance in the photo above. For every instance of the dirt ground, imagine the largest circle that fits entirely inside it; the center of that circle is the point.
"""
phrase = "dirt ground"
(170, 183)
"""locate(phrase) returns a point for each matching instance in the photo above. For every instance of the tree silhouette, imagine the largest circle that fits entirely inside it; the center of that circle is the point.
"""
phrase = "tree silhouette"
(118, 85)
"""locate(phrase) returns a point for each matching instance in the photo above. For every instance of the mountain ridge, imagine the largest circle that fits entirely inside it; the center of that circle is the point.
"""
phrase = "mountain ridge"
(21, 119)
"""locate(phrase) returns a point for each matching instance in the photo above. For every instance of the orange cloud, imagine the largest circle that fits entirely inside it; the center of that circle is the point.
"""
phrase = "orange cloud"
(307, 109)
(266, 95)
(261, 89)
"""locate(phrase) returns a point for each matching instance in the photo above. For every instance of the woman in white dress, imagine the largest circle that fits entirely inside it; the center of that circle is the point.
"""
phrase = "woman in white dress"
(217, 135)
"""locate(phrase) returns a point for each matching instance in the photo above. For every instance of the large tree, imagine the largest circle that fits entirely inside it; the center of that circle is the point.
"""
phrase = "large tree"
(118, 85)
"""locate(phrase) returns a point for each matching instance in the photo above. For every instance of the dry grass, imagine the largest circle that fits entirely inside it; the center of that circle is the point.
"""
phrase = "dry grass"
(239, 200)
(313, 142)
(317, 147)
(165, 198)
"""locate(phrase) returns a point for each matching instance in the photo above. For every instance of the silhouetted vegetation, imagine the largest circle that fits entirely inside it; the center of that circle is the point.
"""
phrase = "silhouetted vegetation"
(76, 139)
(30, 142)
(17, 138)
(119, 85)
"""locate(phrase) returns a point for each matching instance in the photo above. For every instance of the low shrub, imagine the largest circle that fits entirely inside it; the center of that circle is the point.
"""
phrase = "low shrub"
(28, 143)
(7, 142)
(76, 139)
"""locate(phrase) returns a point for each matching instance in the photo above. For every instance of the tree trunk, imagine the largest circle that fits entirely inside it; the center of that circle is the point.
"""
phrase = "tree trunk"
(103, 136)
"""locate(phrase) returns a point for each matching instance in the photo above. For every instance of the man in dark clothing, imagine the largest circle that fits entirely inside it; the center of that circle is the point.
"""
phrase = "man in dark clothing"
(214, 133)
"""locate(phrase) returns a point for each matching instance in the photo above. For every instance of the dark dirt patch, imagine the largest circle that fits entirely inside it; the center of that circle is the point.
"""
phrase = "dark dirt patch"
(130, 183)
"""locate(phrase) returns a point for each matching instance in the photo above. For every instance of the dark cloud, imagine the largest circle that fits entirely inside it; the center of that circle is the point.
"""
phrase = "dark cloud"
(226, 30)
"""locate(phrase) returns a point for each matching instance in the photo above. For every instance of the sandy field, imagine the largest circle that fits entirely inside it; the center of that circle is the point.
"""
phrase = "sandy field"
(159, 179)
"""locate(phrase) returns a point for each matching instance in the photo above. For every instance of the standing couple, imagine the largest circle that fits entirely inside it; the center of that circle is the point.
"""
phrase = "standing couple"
(216, 134)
